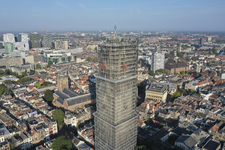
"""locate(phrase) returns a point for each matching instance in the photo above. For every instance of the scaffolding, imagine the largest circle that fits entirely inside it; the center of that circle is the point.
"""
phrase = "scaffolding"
(116, 118)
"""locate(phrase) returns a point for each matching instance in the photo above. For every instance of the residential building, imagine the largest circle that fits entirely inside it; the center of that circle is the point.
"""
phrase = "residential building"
(116, 118)
(212, 145)
(186, 142)
(4, 145)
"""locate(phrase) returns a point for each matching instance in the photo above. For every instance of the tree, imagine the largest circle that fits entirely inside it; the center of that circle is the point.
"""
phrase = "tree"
(50, 63)
(162, 71)
(95, 59)
(88, 59)
(197, 76)
(182, 73)
(78, 123)
(141, 147)
(37, 85)
(48, 96)
(58, 116)
(31, 72)
(194, 58)
(151, 73)
(38, 66)
(215, 51)
(171, 59)
(24, 74)
(180, 55)
(192, 71)
(191, 91)
(172, 52)
(175, 95)
(187, 58)
(61, 143)
(12, 146)
(46, 83)
(5, 90)
(23, 80)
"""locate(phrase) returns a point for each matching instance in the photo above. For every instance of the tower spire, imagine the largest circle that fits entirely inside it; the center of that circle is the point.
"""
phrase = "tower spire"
(115, 35)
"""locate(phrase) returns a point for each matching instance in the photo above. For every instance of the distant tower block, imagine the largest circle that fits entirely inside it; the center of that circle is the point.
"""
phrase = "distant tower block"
(179, 48)
(62, 82)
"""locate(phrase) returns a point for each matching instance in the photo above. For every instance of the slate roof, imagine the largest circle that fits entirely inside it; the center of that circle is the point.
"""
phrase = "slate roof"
(189, 141)
(211, 145)
(60, 100)
(172, 64)
(61, 94)
(160, 134)
(69, 92)
(179, 131)
(78, 99)
(71, 97)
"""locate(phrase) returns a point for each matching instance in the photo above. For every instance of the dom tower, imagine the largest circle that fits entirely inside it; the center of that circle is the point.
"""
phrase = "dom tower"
(116, 118)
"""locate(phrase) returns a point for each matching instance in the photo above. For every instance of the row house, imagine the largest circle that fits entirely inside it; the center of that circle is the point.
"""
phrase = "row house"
(87, 134)
(27, 140)
(4, 145)
(40, 133)
(73, 118)
(52, 127)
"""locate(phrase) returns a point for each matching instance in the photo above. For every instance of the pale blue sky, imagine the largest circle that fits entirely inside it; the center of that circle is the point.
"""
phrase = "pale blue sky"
(94, 15)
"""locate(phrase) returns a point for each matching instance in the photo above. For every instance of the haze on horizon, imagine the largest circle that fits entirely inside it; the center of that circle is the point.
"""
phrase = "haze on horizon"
(144, 15)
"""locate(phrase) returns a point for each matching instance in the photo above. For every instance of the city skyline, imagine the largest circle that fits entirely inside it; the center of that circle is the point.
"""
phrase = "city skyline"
(60, 16)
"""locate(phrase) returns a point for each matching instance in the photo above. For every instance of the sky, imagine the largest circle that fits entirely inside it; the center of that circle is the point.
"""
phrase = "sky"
(95, 15)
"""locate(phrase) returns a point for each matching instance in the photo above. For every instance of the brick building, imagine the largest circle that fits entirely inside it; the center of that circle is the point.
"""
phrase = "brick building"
(70, 100)
(173, 67)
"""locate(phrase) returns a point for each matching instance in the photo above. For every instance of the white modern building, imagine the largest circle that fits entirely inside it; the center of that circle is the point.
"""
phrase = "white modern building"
(8, 38)
(20, 44)
(158, 60)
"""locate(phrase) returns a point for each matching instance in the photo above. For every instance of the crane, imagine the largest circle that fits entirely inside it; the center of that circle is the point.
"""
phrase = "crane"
(46, 31)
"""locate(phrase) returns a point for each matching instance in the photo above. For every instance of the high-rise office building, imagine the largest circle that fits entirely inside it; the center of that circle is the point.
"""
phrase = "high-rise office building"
(35, 40)
(158, 60)
(65, 45)
(8, 38)
(9, 47)
(209, 39)
(22, 41)
(116, 118)
(201, 41)
(61, 45)
(47, 40)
